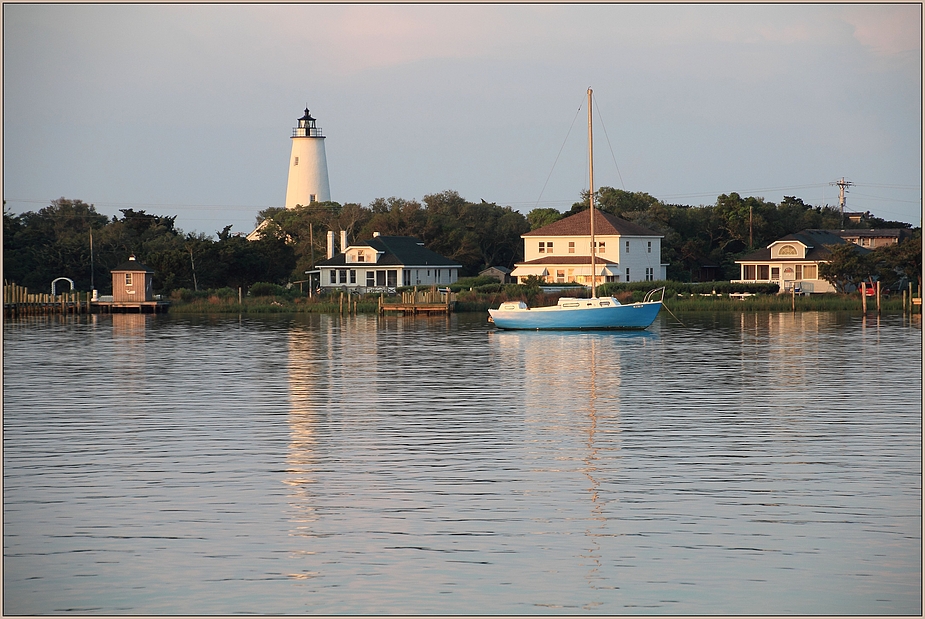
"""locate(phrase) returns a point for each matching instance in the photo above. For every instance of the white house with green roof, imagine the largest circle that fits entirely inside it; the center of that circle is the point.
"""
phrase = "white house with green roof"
(386, 262)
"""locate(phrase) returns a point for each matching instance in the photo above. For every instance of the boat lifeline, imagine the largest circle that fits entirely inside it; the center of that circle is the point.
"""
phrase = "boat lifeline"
(572, 313)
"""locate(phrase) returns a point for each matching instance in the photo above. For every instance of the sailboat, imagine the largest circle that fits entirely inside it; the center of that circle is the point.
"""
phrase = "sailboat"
(582, 313)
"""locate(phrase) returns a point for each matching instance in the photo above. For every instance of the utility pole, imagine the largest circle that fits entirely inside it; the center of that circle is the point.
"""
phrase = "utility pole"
(92, 286)
(751, 242)
(842, 190)
(193, 264)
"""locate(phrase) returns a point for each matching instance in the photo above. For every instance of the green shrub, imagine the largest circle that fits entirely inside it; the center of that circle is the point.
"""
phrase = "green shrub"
(265, 289)
(487, 288)
(672, 289)
(465, 283)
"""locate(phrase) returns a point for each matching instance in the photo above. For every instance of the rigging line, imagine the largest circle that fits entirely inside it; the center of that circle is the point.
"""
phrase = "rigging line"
(558, 155)
(600, 117)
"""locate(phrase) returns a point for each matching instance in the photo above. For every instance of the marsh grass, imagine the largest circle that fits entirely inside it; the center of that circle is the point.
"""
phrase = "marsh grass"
(269, 305)
(481, 301)
(780, 303)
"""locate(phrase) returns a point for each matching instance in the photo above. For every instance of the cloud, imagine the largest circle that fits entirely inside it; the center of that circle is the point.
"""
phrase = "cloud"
(887, 29)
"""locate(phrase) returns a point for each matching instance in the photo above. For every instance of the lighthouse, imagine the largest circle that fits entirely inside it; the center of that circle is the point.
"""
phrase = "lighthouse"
(308, 166)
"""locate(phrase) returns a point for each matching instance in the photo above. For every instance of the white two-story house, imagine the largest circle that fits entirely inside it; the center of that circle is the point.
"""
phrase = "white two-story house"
(386, 262)
(561, 251)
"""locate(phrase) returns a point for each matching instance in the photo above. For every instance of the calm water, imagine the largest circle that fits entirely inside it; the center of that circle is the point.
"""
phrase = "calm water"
(739, 464)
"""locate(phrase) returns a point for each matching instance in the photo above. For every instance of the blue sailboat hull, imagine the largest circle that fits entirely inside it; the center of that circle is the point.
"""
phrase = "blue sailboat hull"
(629, 316)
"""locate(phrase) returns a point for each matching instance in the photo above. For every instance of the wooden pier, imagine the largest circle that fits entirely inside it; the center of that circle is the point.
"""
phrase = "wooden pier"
(430, 301)
(132, 307)
(18, 301)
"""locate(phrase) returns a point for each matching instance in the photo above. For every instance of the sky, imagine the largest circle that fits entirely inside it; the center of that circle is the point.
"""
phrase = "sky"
(187, 109)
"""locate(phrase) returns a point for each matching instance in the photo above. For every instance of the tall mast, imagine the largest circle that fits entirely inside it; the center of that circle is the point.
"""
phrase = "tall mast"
(591, 199)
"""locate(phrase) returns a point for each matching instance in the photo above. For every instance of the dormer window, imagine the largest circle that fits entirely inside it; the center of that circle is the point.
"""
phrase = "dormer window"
(787, 250)
(361, 256)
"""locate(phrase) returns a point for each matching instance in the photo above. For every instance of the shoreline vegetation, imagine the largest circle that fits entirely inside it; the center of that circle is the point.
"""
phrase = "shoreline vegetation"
(473, 296)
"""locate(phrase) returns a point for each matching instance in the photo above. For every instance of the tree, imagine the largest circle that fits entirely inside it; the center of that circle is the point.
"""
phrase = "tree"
(539, 217)
(54, 242)
(902, 260)
(615, 201)
(475, 235)
(849, 265)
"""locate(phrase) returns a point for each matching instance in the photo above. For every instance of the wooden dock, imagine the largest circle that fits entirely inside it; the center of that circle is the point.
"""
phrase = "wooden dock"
(18, 301)
(429, 301)
(133, 307)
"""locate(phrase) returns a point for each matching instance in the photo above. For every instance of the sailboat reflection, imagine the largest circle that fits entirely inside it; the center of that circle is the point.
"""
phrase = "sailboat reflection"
(572, 385)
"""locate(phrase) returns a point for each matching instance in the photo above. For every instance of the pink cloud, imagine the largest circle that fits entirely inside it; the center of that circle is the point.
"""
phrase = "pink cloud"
(887, 29)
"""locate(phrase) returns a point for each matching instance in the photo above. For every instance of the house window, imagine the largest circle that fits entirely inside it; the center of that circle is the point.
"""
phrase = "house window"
(392, 278)
(380, 278)
(311, 198)
(627, 247)
(600, 247)
(809, 271)
(361, 257)
(571, 247)
(333, 276)
(353, 276)
(560, 276)
(649, 248)
(775, 272)
(748, 271)
(343, 276)
(865, 242)
(627, 274)
(650, 274)
(787, 250)
(370, 279)
(763, 271)
(296, 161)
(405, 277)
(128, 279)
(542, 247)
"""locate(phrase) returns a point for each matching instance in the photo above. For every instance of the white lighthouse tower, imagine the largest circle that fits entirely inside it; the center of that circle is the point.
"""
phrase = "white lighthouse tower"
(308, 166)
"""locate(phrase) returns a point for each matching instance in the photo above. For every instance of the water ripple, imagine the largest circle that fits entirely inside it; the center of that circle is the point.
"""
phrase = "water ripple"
(742, 464)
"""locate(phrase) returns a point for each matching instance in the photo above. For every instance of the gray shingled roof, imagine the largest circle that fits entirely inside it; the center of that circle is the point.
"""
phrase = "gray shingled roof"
(397, 251)
(604, 224)
(814, 239)
(133, 265)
